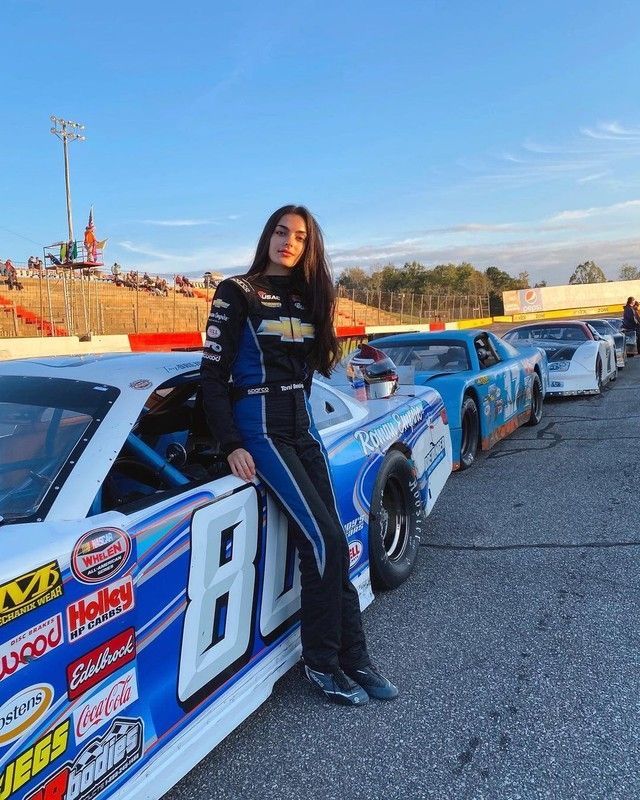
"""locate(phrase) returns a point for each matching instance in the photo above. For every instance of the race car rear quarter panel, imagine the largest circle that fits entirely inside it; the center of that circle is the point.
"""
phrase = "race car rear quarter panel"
(118, 632)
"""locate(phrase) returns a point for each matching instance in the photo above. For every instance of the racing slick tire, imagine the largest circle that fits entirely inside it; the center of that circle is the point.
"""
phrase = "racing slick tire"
(395, 522)
(599, 374)
(536, 401)
(470, 424)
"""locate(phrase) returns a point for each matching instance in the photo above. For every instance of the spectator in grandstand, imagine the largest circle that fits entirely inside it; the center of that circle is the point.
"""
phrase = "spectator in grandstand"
(628, 316)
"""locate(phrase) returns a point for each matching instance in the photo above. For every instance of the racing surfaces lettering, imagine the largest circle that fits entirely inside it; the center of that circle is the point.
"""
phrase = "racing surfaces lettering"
(97, 765)
(23, 710)
(88, 670)
(104, 705)
(30, 591)
(380, 437)
(102, 606)
(215, 316)
(32, 761)
(32, 643)
(99, 555)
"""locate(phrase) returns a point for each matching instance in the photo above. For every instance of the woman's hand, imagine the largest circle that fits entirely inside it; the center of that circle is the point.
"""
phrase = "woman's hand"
(241, 463)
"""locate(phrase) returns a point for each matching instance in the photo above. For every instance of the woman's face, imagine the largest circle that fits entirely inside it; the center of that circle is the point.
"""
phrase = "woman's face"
(288, 240)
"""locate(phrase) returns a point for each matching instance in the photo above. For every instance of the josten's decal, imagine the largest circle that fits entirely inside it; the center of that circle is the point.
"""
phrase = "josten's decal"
(23, 710)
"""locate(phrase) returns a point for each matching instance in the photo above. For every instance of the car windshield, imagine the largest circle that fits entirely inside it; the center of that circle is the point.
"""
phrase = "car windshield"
(42, 422)
(549, 333)
(440, 356)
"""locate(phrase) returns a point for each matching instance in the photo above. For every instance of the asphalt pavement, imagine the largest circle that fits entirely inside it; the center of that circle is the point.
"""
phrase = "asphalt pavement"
(514, 643)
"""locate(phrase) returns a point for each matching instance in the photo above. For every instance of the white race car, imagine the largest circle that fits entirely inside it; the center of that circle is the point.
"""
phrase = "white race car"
(148, 598)
(580, 360)
(607, 330)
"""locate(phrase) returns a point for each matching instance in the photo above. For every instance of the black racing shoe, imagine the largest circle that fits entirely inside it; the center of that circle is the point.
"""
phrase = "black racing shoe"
(338, 687)
(374, 684)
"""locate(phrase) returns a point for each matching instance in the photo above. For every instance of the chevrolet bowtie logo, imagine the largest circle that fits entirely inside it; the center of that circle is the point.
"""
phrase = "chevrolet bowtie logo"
(289, 329)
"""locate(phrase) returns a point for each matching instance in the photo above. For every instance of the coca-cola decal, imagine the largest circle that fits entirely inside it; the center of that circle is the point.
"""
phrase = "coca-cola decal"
(104, 605)
(32, 643)
(94, 666)
(105, 704)
(100, 554)
(101, 762)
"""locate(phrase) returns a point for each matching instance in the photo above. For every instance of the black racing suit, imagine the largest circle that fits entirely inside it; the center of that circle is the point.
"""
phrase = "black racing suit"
(260, 333)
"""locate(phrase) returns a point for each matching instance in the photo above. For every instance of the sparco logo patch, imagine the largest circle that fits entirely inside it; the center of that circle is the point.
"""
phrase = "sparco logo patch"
(97, 765)
(97, 664)
(102, 606)
(23, 711)
(29, 591)
(100, 554)
(32, 643)
(34, 760)
(104, 705)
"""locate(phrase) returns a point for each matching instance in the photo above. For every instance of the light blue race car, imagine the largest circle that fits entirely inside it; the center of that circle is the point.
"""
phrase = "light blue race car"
(149, 599)
(489, 388)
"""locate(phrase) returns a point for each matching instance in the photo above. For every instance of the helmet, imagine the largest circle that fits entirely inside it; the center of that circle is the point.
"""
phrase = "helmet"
(371, 370)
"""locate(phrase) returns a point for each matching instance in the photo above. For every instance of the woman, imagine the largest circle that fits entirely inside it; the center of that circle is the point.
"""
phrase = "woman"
(269, 330)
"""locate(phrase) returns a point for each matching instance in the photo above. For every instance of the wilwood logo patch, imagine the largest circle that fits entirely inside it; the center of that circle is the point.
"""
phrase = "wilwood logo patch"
(98, 764)
(32, 643)
(100, 554)
(29, 591)
(100, 662)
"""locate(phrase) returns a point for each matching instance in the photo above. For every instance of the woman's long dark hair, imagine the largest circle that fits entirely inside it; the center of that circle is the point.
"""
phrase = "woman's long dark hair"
(312, 277)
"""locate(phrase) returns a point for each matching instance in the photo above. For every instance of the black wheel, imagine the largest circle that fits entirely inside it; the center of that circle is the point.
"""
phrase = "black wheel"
(599, 373)
(395, 522)
(536, 401)
(470, 432)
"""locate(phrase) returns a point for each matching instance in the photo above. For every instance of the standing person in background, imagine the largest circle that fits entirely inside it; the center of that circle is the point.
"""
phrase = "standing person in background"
(269, 330)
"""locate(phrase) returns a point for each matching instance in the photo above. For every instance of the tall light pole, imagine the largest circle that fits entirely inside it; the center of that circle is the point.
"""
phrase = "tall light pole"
(67, 131)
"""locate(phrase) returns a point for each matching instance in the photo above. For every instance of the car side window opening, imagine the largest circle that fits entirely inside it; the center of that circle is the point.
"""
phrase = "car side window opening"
(487, 355)
(169, 448)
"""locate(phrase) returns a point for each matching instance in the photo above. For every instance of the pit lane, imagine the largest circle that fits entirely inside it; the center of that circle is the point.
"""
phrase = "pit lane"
(514, 643)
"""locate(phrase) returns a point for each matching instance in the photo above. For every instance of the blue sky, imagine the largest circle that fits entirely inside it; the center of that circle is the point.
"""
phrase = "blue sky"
(503, 133)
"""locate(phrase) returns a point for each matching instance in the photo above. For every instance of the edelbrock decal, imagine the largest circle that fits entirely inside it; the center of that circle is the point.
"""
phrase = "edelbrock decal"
(95, 610)
(96, 665)
(32, 643)
(23, 710)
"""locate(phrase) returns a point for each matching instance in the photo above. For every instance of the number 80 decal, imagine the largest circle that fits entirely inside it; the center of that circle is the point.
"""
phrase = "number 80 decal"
(218, 636)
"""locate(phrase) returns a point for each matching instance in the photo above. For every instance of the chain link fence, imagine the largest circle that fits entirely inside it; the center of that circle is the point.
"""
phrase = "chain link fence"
(367, 307)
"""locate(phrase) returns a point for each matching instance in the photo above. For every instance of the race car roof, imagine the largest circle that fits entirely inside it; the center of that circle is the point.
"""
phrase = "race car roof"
(129, 372)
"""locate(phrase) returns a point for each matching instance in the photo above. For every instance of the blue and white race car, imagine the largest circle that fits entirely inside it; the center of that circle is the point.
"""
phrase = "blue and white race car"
(489, 388)
(149, 599)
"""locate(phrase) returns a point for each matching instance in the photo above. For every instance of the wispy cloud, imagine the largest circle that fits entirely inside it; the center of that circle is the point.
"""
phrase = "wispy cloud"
(189, 222)
(179, 223)
(595, 211)
(612, 131)
(144, 250)
(595, 177)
